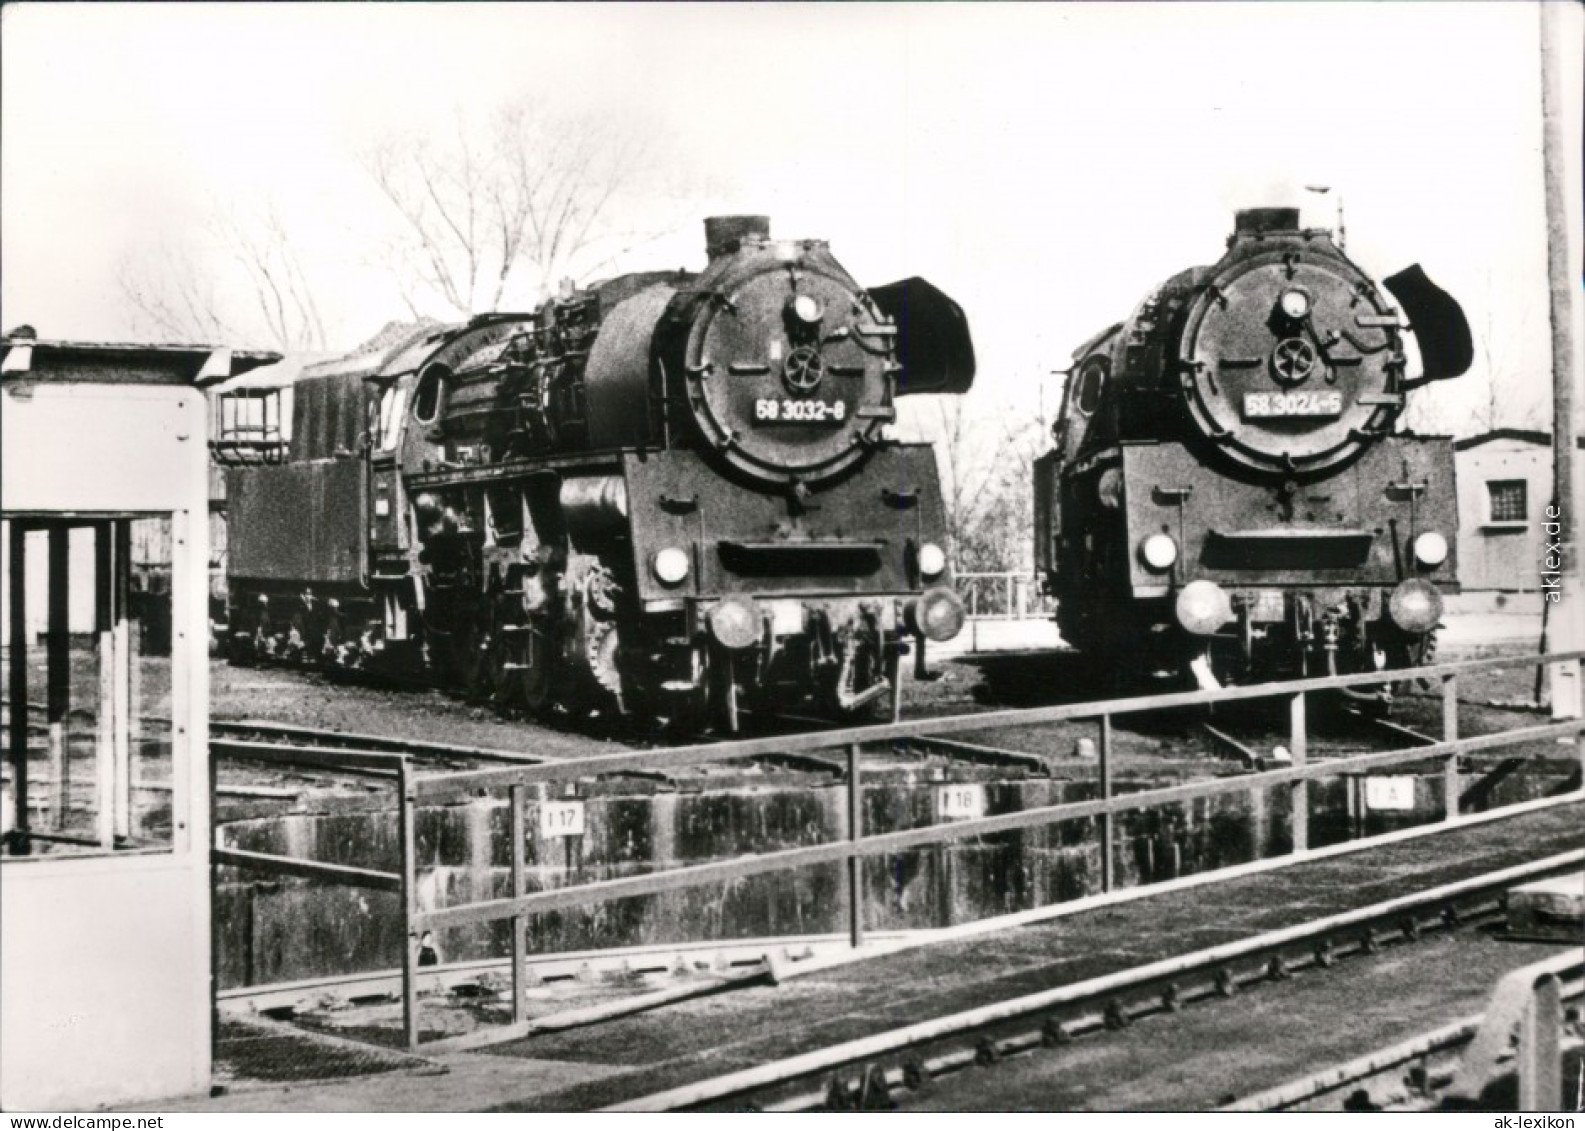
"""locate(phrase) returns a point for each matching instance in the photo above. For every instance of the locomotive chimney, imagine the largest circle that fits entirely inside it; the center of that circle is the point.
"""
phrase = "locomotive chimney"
(1257, 221)
(725, 234)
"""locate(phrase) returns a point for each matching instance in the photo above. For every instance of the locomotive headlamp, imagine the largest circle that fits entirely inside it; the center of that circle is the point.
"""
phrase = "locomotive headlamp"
(670, 565)
(932, 560)
(936, 614)
(734, 622)
(806, 309)
(1159, 552)
(1415, 606)
(1295, 304)
(1430, 549)
(1203, 607)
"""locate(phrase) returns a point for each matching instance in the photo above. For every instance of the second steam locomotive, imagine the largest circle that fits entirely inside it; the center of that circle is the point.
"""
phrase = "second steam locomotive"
(1227, 496)
(669, 494)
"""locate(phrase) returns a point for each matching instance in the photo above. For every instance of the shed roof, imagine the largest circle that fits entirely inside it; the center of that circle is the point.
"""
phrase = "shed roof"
(24, 357)
(1523, 435)
(281, 375)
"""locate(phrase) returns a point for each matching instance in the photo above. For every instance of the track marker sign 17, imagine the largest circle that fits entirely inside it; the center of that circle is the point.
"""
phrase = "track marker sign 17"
(560, 818)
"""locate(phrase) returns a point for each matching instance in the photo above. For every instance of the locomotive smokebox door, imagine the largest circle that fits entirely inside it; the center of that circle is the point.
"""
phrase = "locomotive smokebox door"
(1438, 322)
(933, 343)
(785, 367)
(1289, 360)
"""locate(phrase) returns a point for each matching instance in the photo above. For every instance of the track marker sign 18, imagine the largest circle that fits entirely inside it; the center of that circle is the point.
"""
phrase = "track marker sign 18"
(960, 801)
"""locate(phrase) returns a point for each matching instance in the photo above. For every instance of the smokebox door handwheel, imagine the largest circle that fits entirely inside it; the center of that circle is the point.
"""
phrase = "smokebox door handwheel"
(788, 372)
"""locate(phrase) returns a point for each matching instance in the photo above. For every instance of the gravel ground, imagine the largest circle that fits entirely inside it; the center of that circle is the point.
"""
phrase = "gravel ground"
(304, 698)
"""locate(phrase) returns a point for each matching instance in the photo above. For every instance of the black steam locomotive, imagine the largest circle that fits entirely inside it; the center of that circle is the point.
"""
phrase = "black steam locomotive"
(1227, 497)
(669, 494)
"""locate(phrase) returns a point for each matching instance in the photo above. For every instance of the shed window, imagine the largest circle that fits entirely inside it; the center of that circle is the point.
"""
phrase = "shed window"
(248, 427)
(248, 416)
(1508, 500)
(87, 658)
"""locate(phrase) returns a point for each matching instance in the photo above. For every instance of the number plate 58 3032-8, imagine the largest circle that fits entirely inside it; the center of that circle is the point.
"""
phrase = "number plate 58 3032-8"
(1304, 402)
(784, 410)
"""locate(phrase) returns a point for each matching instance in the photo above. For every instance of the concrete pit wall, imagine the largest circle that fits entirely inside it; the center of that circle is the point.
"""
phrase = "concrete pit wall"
(283, 930)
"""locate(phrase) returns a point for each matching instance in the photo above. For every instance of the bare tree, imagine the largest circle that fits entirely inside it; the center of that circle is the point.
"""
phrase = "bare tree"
(1494, 394)
(1506, 399)
(525, 194)
(172, 294)
(986, 461)
(240, 279)
(281, 291)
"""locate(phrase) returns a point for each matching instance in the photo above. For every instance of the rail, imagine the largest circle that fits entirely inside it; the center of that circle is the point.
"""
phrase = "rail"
(413, 792)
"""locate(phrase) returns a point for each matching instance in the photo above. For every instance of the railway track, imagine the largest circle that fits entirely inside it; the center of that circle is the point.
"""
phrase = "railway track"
(266, 742)
(234, 737)
(238, 740)
(880, 1071)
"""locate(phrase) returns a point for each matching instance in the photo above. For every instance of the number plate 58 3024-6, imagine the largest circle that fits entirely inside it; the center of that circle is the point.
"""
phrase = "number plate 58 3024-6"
(784, 410)
(1325, 402)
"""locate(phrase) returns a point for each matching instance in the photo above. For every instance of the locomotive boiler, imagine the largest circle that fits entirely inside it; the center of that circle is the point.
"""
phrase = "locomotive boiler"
(1228, 497)
(668, 494)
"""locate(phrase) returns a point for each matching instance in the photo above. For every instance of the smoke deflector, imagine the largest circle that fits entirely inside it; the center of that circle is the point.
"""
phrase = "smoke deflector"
(1438, 322)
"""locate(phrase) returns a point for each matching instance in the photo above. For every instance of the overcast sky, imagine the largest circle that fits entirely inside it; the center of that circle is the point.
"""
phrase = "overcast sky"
(1044, 164)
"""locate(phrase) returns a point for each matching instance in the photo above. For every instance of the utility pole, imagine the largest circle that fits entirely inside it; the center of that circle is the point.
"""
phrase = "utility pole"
(1563, 282)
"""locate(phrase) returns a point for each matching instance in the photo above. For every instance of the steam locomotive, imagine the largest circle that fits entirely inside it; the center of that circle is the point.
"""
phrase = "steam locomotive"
(669, 494)
(1226, 497)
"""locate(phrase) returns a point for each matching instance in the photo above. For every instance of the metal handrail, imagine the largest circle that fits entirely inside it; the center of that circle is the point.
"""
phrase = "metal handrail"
(414, 791)
(858, 845)
(880, 844)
